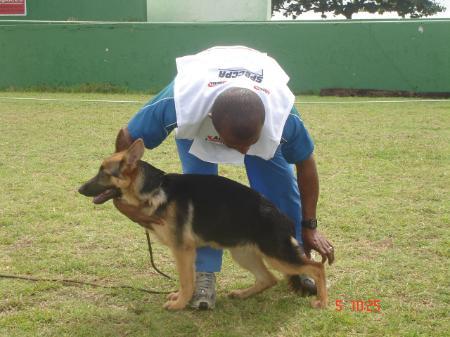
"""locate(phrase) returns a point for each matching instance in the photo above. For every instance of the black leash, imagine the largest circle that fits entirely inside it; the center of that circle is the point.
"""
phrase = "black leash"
(151, 257)
(74, 282)
(35, 279)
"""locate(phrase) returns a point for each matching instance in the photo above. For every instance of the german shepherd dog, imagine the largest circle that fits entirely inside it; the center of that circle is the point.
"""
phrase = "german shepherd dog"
(191, 211)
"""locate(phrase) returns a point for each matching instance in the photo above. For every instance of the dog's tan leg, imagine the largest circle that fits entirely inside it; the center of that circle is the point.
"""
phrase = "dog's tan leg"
(173, 296)
(249, 258)
(314, 269)
(184, 259)
(317, 272)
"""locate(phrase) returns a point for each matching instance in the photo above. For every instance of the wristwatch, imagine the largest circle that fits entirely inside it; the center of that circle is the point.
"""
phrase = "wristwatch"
(310, 224)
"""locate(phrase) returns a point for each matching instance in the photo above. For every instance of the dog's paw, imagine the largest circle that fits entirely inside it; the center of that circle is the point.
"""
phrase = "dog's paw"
(237, 294)
(318, 304)
(174, 305)
(173, 296)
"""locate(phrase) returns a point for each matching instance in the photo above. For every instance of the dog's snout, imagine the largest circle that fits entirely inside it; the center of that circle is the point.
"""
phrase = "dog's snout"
(91, 188)
(83, 190)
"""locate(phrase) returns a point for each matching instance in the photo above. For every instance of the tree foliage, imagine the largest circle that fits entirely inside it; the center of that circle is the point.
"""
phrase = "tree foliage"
(414, 8)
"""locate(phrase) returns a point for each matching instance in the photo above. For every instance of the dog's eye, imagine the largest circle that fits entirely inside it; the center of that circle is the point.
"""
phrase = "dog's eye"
(115, 172)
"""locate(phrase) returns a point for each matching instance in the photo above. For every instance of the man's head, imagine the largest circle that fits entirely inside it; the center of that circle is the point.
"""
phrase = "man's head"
(238, 116)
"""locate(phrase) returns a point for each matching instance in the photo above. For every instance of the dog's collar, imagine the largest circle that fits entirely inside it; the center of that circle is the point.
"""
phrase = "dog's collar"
(156, 220)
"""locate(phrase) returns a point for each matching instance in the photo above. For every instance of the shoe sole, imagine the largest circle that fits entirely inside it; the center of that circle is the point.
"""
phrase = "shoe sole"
(203, 306)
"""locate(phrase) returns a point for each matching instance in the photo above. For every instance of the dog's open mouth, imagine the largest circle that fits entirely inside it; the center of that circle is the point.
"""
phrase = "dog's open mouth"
(106, 195)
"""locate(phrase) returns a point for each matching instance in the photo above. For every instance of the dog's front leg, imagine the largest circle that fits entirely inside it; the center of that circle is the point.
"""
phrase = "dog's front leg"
(184, 259)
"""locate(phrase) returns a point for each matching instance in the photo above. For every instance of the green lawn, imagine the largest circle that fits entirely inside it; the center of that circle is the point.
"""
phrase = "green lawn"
(385, 181)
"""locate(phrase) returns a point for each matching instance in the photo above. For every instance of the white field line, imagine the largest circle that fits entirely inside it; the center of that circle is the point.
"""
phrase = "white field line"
(142, 102)
(68, 100)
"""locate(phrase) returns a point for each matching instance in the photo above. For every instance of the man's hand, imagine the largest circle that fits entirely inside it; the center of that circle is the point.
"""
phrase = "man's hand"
(312, 239)
(136, 214)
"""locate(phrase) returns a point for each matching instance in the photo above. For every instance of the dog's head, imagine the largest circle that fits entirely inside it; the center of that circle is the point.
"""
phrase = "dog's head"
(115, 174)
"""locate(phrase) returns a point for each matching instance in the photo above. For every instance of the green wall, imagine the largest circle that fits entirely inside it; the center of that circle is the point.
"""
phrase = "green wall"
(391, 55)
(84, 10)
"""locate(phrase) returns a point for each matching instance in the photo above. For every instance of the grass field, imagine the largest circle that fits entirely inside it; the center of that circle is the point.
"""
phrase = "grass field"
(385, 182)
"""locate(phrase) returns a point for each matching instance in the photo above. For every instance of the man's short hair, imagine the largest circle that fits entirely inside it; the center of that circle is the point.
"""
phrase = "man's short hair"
(239, 111)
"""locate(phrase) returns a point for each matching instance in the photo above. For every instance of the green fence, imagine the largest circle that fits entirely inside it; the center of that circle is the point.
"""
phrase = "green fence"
(412, 55)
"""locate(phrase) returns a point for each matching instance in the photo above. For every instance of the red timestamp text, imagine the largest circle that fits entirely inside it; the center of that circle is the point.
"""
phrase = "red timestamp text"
(370, 305)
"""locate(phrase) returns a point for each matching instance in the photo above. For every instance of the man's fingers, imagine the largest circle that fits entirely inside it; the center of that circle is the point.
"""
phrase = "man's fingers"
(331, 255)
(314, 240)
(329, 249)
(326, 250)
(324, 254)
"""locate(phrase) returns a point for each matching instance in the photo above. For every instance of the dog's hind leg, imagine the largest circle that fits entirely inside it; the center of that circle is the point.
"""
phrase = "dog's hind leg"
(250, 258)
(311, 268)
(317, 271)
(184, 259)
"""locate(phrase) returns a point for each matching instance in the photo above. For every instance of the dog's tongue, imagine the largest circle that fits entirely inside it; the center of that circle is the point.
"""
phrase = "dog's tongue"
(105, 196)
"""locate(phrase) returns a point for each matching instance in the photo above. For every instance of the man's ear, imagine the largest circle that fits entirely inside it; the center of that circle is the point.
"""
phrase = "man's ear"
(135, 152)
(123, 140)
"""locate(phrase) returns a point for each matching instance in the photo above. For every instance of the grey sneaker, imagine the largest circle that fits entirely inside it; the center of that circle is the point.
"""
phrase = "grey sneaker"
(303, 285)
(308, 285)
(205, 291)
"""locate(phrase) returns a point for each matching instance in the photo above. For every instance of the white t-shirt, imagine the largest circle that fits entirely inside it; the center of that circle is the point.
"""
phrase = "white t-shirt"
(203, 76)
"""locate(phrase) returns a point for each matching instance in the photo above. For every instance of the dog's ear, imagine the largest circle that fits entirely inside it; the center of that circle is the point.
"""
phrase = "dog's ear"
(135, 152)
(123, 140)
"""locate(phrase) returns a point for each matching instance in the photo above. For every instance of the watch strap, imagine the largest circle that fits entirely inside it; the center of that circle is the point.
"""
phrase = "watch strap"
(310, 223)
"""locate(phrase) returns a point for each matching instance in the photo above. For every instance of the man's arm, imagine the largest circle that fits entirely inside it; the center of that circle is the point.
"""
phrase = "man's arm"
(297, 147)
(152, 123)
(308, 183)
(123, 142)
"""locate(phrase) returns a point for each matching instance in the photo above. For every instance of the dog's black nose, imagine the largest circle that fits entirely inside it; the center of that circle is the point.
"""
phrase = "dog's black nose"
(82, 190)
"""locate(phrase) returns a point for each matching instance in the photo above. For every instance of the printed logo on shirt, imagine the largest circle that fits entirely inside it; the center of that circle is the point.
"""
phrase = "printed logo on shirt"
(237, 72)
(262, 89)
(213, 84)
(214, 139)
